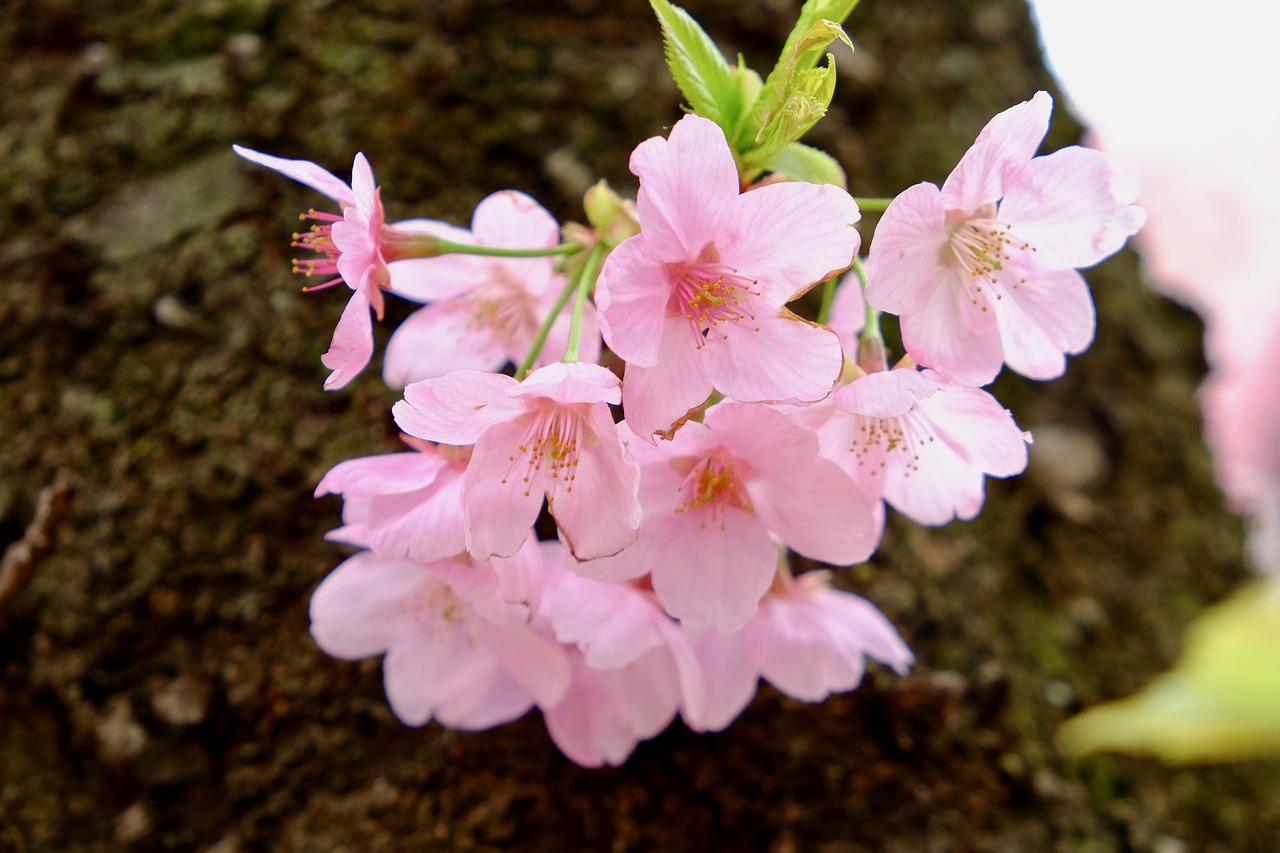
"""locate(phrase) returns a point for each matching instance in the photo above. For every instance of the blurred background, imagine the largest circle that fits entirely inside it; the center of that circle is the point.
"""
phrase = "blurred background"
(158, 687)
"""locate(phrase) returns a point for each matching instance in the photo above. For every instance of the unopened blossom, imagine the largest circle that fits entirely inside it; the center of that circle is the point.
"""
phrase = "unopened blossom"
(483, 311)
(713, 495)
(350, 250)
(402, 504)
(457, 650)
(550, 435)
(632, 667)
(695, 301)
(808, 640)
(983, 270)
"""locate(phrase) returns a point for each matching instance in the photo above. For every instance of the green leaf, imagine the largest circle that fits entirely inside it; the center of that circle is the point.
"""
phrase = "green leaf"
(794, 97)
(1220, 703)
(801, 162)
(705, 78)
(813, 12)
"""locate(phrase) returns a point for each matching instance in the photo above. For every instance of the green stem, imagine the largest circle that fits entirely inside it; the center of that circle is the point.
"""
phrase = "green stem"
(872, 205)
(586, 278)
(545, 330)
(448, 247)
(871, 323)
(828, 296)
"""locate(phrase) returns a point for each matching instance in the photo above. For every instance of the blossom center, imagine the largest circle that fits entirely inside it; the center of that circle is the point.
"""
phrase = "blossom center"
(500, 308)
(549, 447)
(318, 239)
(714, 485)
(875, 440)
(981, 247)
(708, 293)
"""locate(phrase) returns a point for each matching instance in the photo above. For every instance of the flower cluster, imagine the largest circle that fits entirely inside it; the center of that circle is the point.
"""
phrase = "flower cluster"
(724, 434)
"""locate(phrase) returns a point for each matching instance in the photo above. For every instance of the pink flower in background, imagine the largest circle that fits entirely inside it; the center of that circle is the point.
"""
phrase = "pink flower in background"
(807, 640)
(632, 666)
(983, 271)
(351, 250)
(920, 441)
(456, 649)
(695, 300)
(549, 435)
(484, 311)
(402, 504)
(711, 498)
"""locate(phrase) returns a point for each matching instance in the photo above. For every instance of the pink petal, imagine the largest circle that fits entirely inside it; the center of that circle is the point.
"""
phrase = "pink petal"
(535, 662)
(612, 624)
(948, 332)
(304, 172)
(458, 408)
(357, 611)
(763, 437)
(938, 487)
(780, 357)
(599, 513)
(631, 295)
(436, 666)
(887, 394)
(1009, 140)
(978, 428)
(686, 181)
(730, 680)
(504, 700)
(1047, 316)
(437, 340)
(513, 220)
(567, 384)
(789, 236)
(384, 474)
(656, 397)
(352, 344)
(362, 184)
(1064, 206)
(848, 314)
(425, 525)
(901, 269)
(715, 568)
(502, 495)
(818, 511)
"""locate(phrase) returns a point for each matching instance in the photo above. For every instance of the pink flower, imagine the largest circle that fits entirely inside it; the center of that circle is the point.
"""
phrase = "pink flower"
(808, 640)
(922, 442)
(711, 497)
(484, 311)
(402, 504)
(632, 666)
(983, 271)
(350, 246)
(548, 435)
(456, 649)
(695, 300)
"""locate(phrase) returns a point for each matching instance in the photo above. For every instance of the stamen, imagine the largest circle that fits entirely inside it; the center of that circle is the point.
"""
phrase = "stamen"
(551, 439)
(982, 247)
(714, 484)
(708, 293)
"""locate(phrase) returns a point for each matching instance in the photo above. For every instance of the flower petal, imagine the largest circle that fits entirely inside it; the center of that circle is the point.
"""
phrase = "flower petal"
(457, 408)
(657, 397)
(352, 344)
(778, 357)
(1048, 315)
(631, 295)
(789, 236)
(948, 332)
(1009, 140)
(502, 494)
(901, 267)
(304, 172)
(437, 340)
(357, 611)
(598, 512)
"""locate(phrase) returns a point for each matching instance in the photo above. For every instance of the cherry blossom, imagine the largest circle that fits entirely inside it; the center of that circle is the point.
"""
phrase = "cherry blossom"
(808, 640)
(351, 250)
(457, 650)
(983, 271)
(549, 435)
(483, 311)
(711, 498)
(695, 300)
(402, 504)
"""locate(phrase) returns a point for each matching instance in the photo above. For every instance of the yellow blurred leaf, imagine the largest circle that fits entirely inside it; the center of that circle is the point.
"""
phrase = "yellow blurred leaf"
(1220, 703)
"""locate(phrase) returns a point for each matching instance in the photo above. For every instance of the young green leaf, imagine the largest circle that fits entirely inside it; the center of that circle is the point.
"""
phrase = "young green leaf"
(814, 11)
(700, 70)
(801, 162)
